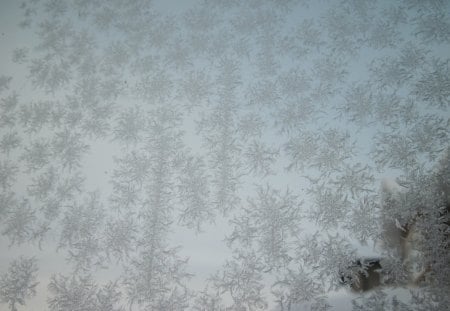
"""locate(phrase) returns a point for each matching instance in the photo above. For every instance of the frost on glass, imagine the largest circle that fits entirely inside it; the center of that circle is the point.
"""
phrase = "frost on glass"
(18, 283)
(224, 155)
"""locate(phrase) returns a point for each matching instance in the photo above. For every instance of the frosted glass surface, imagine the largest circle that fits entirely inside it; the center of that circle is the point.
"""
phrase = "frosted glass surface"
(224, 155)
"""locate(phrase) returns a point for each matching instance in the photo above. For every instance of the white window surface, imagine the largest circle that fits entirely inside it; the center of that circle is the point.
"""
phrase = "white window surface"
(224, 155)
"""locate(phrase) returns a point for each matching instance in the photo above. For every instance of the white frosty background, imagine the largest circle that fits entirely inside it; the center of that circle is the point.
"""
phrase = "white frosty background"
(213, 155)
